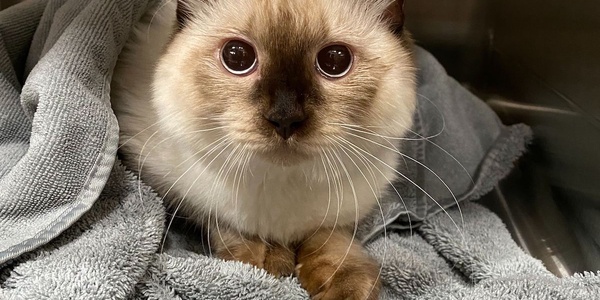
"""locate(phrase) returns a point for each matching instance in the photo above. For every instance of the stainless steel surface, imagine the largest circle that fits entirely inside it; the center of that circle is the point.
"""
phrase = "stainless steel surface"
(536, 62)
(524, 200)
(6, 3)
(454, 31)
(546, 54)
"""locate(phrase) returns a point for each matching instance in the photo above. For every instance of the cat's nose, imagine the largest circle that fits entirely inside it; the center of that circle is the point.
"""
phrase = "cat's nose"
(286, 124)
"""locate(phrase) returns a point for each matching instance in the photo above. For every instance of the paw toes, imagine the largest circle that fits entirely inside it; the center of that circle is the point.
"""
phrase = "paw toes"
(325, 282)
(280, 261)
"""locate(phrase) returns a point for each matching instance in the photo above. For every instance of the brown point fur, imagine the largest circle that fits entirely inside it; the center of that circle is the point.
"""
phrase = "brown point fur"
(275, 258)
(328, 264)
(332, 266)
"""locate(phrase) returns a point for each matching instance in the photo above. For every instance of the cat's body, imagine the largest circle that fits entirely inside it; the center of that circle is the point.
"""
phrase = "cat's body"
(216, 144)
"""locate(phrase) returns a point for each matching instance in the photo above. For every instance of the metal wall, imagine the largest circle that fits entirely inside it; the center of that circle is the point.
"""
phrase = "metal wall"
(6, 3)
(545, 58)
(537, 62)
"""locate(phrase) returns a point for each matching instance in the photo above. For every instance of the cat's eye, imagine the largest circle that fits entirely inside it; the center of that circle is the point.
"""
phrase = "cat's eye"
(334, 61)
(238, 57)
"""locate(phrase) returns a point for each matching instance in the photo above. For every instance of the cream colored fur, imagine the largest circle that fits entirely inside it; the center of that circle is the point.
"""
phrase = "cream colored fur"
(175, 104)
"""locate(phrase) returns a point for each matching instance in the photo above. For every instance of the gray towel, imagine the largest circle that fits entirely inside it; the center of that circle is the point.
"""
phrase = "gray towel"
(75, 224)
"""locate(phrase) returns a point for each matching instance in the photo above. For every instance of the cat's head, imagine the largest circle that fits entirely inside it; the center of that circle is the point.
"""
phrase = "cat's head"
(286, 78)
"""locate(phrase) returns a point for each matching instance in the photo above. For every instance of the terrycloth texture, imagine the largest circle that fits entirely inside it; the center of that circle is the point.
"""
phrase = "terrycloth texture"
(59, 141)
(75, 224)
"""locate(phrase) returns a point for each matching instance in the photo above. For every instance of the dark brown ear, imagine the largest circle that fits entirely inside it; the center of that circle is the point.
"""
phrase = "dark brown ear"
(395, 15)
(184, 13)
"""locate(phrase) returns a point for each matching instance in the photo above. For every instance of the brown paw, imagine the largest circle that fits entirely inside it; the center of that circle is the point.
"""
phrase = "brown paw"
(324, 282)
(327, 275)
(274, 258)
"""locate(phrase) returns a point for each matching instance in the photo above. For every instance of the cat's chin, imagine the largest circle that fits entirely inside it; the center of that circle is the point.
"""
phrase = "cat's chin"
(284, 156)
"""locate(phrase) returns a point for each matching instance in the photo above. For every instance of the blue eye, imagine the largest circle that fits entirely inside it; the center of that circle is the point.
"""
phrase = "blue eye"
(238, 57)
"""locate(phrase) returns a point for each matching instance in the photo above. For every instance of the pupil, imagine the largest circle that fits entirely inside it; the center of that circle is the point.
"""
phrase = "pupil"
(238, 56)
(334, 60)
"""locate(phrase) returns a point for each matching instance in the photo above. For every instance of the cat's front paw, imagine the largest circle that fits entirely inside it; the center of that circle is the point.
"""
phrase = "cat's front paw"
(279, 260)
(276, 259)
(325, 281)
(332, 266)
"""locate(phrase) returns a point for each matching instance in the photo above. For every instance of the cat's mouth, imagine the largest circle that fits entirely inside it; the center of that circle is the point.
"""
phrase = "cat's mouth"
(285, 153)
(281, 149)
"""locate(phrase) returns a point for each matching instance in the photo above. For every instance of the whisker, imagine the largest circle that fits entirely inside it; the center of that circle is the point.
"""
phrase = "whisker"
(194, 182)
(135, 135)
(140, 165)
(364, 130)
(339, 193)
(439, 111)
(371, 132)
(221, 173)
(216, 120)
(417, 186)
(328, 200)
(236, 186)
(229, 164)
(147, 155)
(352, 145)
(428, 140)
(162, 5)
(219, 140)
(419, 163)
(247, 165)
(343, 148)
(220, 235)
(208, 223)
(141, 162)
(356, 217)
(222, 141)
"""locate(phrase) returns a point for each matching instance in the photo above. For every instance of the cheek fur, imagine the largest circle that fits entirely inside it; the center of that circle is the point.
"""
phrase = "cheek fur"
(350, 100)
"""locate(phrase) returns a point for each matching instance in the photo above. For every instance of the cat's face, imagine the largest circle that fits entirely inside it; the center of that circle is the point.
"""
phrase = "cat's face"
(285, 78)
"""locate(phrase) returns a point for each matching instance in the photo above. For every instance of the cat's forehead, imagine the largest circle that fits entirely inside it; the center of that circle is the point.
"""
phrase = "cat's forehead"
(284, 25)
(306, 22)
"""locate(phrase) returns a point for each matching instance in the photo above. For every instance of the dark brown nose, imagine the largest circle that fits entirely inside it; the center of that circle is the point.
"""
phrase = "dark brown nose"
(286, 124)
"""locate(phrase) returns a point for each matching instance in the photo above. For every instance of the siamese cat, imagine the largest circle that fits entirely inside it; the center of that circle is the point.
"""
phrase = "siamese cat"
(270, 124)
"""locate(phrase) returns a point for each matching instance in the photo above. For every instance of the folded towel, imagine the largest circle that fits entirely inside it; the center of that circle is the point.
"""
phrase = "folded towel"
(76, 224)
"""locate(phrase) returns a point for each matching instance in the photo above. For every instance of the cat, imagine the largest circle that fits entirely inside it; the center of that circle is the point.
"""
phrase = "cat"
(270, 122)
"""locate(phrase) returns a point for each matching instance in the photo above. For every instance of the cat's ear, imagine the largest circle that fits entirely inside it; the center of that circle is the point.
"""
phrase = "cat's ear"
(394, 14)
(184, 13)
